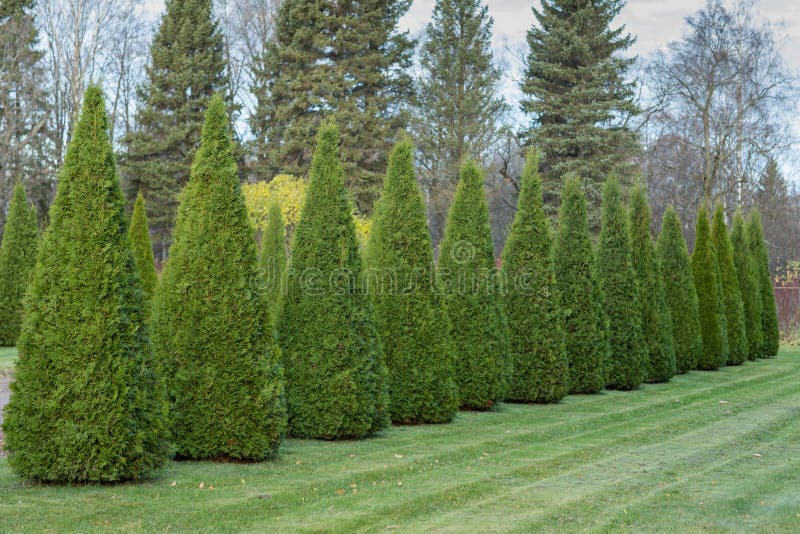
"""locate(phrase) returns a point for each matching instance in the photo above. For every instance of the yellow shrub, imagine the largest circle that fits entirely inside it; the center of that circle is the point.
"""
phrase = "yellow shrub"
(290, 193)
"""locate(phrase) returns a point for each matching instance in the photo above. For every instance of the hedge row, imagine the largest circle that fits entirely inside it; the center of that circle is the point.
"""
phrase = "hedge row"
(247, 349)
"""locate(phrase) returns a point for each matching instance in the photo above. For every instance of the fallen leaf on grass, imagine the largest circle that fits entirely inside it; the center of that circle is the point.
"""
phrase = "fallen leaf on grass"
(202, 485)
(174, 483)
(340, 491)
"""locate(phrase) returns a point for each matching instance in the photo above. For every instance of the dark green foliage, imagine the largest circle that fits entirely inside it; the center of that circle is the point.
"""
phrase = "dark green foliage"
(679, 292)
(577, 96)
(748, 286)
(628, 354)
(711, 309)
(731, 295)
(335, 374)
(770, 339)
(211, 326)
(187, 67)
(408, 310)
(142, 249)
(473, 302)
(17, 257)
(581, 304)
(273, 258)
(455, 59)
(344, 60)
(656, 318)
(86, 401)
(533, 308)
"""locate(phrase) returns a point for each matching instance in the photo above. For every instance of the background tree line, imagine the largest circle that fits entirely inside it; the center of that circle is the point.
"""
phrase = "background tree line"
(709, 118)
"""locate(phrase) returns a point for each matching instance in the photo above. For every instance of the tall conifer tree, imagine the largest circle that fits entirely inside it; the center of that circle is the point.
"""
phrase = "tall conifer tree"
(679, 290)
(731, 295)
(705, 270)
(335, 373)
(656, 318)
(408, 309)
(533, 306)
(576, 95)
(748, 286)
(457, 103)
(770, 336)
(211, 327)
(17, 257)
(472, 296)
(628, 353)
(86, 401)
(581, 298)
(186, 68)
(344, 60)
(141, 247)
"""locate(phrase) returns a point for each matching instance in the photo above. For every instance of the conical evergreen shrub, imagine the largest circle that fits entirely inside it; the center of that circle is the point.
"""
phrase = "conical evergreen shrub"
(335, 374)
(273, 257)
(731, 295)
(142, 249)
(470, 283)
(581, 301)
(770, 340)
(86, 401)
(748, 286)
(628, 353)
(710, 305)
(679, 292)
(656, 318)
(409, 314)
(212, 328)
(17, 257)
(535, 322)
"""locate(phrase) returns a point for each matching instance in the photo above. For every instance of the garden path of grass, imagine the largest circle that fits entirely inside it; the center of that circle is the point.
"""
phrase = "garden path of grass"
(711, 451)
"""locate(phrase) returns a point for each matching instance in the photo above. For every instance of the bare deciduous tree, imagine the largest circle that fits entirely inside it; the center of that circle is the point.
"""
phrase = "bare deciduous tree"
(721, 100)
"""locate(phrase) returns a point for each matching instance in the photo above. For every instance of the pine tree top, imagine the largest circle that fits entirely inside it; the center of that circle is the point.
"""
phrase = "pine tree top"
(529, 239)
(142, 249)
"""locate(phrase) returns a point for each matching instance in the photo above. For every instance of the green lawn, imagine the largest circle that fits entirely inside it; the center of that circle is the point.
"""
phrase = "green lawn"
(7, 357)
(714, 451)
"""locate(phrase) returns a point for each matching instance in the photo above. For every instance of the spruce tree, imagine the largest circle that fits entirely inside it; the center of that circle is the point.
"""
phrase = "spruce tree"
(576, 93)
(86, 401)
(17, 257)
(470, 283)
(349, 63)
(628, 353)
(748, 286)
(656, 318)
(186, 68)
(533, 308)
(584, 321)
(711, 310)
(679, 291)
(335, 374)
(731, 295)
(273, 257)
(770, 336)
(139, 234)
(408, 310)
(212, 328)
(457, 103)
